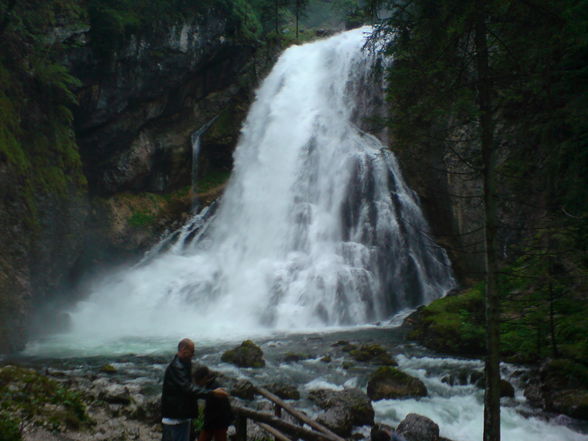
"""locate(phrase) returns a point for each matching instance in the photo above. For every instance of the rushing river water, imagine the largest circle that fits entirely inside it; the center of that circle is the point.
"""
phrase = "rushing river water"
(458, 410)
(316, 239)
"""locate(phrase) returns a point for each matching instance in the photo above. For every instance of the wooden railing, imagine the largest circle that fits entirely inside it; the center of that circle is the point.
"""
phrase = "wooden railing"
(273, 424)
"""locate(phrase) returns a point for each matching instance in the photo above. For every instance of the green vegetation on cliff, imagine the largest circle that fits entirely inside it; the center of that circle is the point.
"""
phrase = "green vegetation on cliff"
(533, 327)
(37, 141)
(114, 21)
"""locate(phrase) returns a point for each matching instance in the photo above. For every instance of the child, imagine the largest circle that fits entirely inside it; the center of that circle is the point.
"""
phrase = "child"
(218, 415)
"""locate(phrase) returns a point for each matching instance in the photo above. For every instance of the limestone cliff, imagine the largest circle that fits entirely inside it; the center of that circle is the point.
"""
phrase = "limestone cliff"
(91, 184)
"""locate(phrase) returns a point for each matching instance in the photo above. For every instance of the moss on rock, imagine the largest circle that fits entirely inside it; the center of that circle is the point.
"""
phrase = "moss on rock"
(248, 354)
(374, 353)
(389, 382)
(453, 324)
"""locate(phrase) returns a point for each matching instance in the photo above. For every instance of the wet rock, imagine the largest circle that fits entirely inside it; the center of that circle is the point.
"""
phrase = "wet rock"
(374, 353)
(284, 391)
(418, 428)
(338, 419)
(439, 327)
(246, 355)
(344, 409)
(326, 359)
(243, 389)
(108, 369)
(388, 382)
(381, 432)
(292, 357)
(560, 386)
(348, 347)
(113, 393)
(506, 389)
(462, 378)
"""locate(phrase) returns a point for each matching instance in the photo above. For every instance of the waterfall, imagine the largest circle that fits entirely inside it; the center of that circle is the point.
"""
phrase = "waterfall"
(195, 139)
(316, 227)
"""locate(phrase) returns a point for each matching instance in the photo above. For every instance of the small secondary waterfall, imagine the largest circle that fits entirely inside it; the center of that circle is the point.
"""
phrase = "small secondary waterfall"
(316, 227)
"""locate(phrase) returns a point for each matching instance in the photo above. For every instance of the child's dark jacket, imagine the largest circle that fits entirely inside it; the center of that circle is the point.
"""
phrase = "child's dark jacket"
(217, 413)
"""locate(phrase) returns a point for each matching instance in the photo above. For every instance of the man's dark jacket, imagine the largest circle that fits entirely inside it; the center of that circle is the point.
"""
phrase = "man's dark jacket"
(179, 396)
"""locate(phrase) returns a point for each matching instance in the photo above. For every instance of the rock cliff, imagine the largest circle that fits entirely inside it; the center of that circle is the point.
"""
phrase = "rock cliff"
(140, 101)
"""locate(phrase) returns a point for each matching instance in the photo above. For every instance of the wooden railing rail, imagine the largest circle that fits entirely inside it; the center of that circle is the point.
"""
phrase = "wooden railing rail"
(277, 427)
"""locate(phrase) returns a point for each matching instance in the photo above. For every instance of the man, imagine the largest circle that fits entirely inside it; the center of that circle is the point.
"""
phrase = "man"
(179, 397)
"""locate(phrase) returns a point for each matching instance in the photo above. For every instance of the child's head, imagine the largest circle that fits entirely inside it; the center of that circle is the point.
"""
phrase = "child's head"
(202, 376)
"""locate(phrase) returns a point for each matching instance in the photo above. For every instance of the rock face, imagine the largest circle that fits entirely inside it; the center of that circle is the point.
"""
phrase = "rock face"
(343, 409)
(138, 108)
(390, 383)
(153, 82)
(248, 354)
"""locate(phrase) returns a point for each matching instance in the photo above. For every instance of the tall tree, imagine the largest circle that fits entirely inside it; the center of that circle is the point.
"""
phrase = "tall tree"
(299, 6)
(487, 85)
(492, 302)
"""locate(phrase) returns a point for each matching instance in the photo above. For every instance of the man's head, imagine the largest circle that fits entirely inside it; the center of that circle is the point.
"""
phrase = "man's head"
(185, 349)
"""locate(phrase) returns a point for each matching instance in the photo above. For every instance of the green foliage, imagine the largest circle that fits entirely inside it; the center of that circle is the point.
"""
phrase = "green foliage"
(36, 100)
(212, 180)
(25, 394)
(198, 423)
(141, 219)
(243, 19)
(456, 323)
(9, 428)
(570, 372)
(114, 21)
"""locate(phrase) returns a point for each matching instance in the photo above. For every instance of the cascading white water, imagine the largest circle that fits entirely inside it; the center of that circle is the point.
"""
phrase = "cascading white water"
(316, 227)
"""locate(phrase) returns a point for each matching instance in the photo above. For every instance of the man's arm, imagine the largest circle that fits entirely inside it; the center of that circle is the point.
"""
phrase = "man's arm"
(184, 382)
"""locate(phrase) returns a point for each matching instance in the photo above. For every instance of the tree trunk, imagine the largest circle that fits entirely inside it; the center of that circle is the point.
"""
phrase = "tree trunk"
(297, 17)
(492, 365)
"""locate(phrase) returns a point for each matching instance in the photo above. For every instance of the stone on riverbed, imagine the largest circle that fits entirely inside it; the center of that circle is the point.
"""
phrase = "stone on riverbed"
(389, 383)
(418, 428)
(283, 390)
(374, 353)
(246, 355)
(344, 409)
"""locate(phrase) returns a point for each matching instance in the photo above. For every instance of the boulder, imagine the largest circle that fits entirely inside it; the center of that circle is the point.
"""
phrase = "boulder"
(418, 428)
(381, 432)
(292, 357)
(389, 383)
(113, 393)
(246, 355)
(283, 390)
(560, 386)
(571, 402)
(343, 409)
(243, 389)
(506, 389)
(463, 377)
(374, 353)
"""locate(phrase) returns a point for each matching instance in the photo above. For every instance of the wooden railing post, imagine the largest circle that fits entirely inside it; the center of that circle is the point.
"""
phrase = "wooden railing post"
(240, 428)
